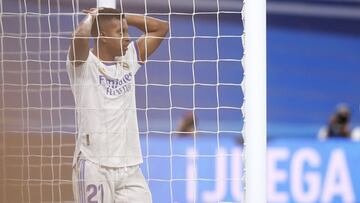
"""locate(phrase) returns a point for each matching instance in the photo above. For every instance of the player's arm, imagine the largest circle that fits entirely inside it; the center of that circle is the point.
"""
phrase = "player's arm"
(79, 48)
(154, 32)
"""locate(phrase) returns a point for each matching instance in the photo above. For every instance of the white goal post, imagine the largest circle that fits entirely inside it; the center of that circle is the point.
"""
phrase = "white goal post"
(254, 108)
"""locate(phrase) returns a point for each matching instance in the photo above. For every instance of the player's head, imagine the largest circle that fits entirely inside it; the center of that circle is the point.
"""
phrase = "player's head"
(110, 30)
(342, 113)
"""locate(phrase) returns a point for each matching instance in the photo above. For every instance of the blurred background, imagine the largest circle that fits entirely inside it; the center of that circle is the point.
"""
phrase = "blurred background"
(313, 104)
(191, 85)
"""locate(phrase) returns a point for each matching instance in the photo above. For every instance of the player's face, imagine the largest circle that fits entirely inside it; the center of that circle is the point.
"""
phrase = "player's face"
(119, 38)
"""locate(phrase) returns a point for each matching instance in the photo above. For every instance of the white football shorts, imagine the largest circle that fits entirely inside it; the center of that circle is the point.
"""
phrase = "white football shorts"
(99, 184)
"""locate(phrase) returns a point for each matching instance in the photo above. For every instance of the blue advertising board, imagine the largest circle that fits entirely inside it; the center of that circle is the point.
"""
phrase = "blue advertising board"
(209, 169)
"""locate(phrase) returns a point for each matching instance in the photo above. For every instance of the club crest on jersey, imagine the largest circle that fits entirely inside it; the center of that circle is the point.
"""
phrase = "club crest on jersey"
(125, 66)
(103, 70)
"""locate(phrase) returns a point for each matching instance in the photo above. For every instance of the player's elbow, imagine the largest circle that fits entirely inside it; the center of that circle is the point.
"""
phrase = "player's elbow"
(163, 28)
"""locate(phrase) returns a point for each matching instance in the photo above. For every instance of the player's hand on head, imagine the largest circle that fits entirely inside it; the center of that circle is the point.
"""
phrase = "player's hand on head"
(92, 11)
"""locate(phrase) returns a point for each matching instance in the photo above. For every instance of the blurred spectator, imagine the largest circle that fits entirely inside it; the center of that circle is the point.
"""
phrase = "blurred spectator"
(187, 125)
(339, 124)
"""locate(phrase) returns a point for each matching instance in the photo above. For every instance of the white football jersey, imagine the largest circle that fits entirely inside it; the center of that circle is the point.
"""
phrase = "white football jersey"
(104, 95)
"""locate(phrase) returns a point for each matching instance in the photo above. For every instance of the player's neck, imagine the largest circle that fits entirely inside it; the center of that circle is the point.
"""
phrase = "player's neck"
(103, 54)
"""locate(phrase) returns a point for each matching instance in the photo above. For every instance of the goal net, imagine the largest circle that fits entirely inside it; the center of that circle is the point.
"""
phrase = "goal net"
(189, 100)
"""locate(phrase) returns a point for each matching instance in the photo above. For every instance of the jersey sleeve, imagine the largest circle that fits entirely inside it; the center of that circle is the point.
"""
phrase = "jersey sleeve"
(135, 57)
(75, 72)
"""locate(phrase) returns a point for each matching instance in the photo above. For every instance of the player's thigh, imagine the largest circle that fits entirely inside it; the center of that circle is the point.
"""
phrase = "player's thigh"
(134, 189)
(90, 183)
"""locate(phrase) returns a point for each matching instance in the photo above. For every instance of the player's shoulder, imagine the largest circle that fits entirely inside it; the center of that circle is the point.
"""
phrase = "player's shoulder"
(91, 59)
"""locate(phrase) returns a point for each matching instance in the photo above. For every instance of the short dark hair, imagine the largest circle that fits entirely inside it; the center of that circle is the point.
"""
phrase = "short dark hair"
(105, 14)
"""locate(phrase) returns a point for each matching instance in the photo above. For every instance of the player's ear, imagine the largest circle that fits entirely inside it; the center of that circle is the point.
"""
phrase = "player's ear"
(102, 37)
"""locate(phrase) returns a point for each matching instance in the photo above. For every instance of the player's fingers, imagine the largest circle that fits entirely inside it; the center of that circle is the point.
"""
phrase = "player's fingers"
(90, 10)
(93, 9)
(86, 10)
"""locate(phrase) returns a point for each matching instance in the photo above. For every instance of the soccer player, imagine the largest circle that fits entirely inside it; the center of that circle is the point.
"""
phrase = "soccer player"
(107, 154)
